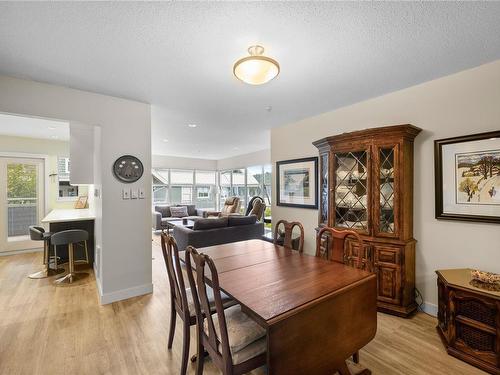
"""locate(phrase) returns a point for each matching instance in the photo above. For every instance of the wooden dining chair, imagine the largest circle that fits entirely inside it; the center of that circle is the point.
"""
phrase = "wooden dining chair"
(334, 249)
(181, 298)
(330, 244)
(288, 240)
(236, 344)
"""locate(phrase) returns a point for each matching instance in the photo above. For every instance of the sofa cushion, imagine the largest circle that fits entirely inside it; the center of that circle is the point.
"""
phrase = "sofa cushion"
(191, 210)
(179, 211)
(234, 220)
(201, 224)
(164, 210)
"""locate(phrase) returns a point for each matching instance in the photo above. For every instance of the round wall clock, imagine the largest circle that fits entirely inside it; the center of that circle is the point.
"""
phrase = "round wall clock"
(128, 168)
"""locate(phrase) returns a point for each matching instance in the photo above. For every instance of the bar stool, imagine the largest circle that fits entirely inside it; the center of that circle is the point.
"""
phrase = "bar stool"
(39, 234)
(70, 238)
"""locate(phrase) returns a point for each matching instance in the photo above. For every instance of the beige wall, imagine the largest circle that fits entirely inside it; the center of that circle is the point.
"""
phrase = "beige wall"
(460, 104)
(46, 147)
(246, 160)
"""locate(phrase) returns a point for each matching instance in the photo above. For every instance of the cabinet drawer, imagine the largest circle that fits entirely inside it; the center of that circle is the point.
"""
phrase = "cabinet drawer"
(384, 254)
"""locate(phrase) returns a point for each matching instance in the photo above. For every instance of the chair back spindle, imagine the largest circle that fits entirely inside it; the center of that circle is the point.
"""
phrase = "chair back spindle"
(174, 272)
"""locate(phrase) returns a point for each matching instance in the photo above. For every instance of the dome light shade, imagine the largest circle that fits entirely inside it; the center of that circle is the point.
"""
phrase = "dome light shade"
(256, 69)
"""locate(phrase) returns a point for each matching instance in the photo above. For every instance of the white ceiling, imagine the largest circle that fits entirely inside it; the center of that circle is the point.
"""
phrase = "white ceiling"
(179, 57)
(32, 127)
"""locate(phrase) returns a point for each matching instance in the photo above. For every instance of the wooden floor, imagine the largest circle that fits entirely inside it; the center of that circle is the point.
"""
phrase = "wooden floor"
(63, 330)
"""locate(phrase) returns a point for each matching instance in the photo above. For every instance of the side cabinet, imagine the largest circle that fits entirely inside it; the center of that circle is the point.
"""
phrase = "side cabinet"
(469, 320)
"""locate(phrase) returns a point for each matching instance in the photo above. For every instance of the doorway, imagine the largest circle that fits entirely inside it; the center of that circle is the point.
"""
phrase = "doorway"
(22, 197)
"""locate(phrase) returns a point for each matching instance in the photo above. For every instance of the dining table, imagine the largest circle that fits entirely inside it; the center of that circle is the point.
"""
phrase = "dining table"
(317, 313)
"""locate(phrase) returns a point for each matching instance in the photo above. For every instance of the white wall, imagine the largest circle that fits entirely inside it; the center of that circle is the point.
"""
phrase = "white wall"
(246, 160)
(460, 104)
(123, 226)
(164, 161)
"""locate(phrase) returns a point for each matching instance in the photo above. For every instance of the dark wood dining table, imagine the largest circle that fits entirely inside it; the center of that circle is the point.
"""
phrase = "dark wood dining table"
(317, 313)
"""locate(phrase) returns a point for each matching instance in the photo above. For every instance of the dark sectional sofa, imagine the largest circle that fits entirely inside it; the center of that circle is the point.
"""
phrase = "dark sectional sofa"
(162, 214)
(216, 231)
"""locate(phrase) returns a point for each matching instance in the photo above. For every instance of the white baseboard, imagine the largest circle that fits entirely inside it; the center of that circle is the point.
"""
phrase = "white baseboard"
(14, 252)
(124, 293)
(98, 282)
(430, 308)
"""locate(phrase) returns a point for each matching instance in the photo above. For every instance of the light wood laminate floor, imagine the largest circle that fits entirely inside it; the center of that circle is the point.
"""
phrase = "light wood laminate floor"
(63, 330)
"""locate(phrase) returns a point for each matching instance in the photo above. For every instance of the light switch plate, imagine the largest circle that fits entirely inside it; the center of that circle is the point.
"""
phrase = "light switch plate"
(142, 193)
(134, 194)
(125, 193)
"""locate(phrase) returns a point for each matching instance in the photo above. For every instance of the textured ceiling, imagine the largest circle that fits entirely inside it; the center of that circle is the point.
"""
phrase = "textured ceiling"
(179, 56)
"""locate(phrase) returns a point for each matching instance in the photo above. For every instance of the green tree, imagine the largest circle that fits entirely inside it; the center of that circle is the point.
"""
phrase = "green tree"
(21, 181)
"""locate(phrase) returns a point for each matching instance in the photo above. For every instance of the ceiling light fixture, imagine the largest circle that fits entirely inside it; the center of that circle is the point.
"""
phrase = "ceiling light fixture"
(165, 140)
(192, 125)
(52, 128)
(256, 69)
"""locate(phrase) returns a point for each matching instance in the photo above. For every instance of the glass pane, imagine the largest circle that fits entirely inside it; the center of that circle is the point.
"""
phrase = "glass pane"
(254, 181)
(351, 181)
(160, 194)
(22, 199)
(239, 188)
(160, 176)
(181, 177)
(205, 177)
(205, 197)
(181, 194)
(267, 186)
(324, 188)
(225, 178)
(386, 190)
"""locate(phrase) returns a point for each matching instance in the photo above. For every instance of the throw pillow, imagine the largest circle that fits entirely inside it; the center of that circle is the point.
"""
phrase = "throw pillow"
(179, 211)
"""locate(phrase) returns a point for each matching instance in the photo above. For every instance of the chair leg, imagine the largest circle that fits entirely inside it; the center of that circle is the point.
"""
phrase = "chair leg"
(185, 348)
(200, 350)
(344, 370)
(355, 357)
(173, 316)
(86, 252)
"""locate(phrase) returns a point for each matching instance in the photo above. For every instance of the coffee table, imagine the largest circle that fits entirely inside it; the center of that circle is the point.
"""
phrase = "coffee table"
(171, 224)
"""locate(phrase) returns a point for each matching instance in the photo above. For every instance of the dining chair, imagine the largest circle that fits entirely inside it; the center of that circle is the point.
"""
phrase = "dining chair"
(335, 244)
(181, 299)
(236, 344)
(288, 234)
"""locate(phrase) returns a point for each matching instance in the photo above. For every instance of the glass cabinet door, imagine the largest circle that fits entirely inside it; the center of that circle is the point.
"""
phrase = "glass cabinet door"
(386, 186)
(323, 186)
(351, 190)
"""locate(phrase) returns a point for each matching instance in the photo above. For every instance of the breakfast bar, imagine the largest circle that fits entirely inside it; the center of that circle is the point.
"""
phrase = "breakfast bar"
(65, 219)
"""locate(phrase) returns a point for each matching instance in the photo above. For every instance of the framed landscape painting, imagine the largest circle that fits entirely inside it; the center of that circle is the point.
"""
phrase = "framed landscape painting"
(297, 182)
(467, 177)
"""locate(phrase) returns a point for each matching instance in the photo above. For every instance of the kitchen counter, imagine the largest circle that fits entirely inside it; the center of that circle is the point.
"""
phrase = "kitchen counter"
(65, 215)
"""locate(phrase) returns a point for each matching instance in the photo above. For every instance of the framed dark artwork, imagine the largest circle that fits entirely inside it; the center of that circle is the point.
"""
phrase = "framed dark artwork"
(467, 177)
(128, 168)
(297, 183)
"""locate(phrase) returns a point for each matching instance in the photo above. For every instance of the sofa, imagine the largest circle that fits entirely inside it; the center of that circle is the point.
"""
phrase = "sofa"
(162, 214)
(216, 231)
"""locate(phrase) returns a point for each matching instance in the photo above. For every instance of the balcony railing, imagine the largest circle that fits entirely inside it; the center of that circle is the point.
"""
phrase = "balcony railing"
(22, 212)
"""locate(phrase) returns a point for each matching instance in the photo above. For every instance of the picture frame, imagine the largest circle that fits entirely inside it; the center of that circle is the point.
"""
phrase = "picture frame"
(297, 183)
(467, 178)
(81, 202)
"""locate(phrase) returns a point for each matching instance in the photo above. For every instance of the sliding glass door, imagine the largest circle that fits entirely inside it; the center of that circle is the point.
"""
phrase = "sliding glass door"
(21, 201)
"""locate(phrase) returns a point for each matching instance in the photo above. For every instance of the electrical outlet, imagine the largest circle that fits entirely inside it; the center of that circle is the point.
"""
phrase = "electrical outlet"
(142, 193)
(134, 194)
(125, 193)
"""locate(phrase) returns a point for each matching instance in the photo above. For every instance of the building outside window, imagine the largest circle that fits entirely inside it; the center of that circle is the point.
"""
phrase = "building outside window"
(66, 191)
(210, 189)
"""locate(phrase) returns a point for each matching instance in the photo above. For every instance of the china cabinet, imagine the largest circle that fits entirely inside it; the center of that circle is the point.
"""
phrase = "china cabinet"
(366, 184)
